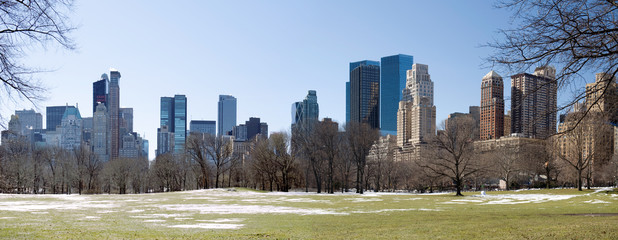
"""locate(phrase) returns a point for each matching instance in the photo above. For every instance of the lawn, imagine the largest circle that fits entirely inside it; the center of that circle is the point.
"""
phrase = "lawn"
(246, 214)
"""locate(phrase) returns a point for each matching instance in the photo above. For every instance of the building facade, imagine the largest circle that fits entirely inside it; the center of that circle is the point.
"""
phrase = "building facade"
(420, 113)
(534, 103)
(365, 94)
(100, 132)
(226, 117)
(492, 106)
(305, 114)
(114, 113)
(71, 129)
(54, 115)
(202, 126)
(180, 123)
(393, 70)
(100, 93)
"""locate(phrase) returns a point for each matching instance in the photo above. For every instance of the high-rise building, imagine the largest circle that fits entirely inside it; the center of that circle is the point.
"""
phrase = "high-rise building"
(71, 129)
(173, 125)
(416, 110)
(602, 96)
(130, 147)
(392, 82)
(180, 123)
(30, 120)
(100, 132)
(54, 115)
(507, 124)
(306, 113)
(250, 130)
(100, 92)
(226, 114)
(492, 106)
(365, 93)
(534, 103)
(253, 127)
(348, 86)
(201, 126)
(347, 101)
(165, 140)
(126, 121)
(114, 113)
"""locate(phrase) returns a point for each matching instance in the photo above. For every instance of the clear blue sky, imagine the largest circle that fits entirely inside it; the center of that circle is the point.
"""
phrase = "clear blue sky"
(265, 53)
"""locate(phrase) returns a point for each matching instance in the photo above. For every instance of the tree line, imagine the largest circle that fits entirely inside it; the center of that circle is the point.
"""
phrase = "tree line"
(324, 159)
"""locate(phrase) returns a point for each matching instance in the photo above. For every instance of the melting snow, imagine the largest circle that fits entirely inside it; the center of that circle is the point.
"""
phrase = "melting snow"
(595, 201)
(244, 209)
(209, 226)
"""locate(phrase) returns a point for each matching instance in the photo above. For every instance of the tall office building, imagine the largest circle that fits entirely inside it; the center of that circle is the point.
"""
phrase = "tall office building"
(534, 103)
(126, 121)
(54, 116)
(306, 113)
(165, 140)
(100, 132)
(416, 118)
(365, 93)
(114, 113)
(226, 114)
(201, 126)
(392, 82)
(100, 92)
(348, 86)
(492, 106)
(602, 96)
(180, 123)
(30, 120)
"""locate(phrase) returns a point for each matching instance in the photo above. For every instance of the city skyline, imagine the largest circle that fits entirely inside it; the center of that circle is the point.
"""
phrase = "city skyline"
(201, 67)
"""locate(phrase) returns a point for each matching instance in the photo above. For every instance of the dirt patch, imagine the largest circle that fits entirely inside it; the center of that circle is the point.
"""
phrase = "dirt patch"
(593, 214)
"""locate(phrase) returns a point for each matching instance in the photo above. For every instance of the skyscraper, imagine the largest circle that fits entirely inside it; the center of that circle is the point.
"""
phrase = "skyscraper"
(180, 123)
(30, 120)
(534, 103)
(348, 86)
(100, 139)
(126, 121)
(492, 106)
(392, 82)
(54, 116)
(416, 109)
(114, 112)
(365, 93)
(100, 92)
(226, 114)
(306, 113)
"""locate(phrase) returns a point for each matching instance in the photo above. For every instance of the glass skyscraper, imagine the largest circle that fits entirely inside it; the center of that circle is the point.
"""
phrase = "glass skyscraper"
(100, 92)
(54, 116)
(365, 92)
(114, 112)
(226, 114)
(306, 113)
(354, 65)
(180, 123)
(392, 82)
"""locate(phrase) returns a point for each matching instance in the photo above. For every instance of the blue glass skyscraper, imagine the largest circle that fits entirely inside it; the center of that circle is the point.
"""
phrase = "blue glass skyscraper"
(365, 92)
(226, 118)
(180, 123)
(354, 65)
(392, 82)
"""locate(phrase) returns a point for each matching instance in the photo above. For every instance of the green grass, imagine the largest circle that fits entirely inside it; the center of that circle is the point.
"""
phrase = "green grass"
(581, 215)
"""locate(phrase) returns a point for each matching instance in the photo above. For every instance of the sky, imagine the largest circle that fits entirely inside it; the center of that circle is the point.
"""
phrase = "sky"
(267, 54)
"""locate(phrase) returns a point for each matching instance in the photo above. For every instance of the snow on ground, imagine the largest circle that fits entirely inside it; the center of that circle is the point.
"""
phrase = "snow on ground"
(246, 209)
(223, 220)
(596, 201)
(209, 226)
(524, 198)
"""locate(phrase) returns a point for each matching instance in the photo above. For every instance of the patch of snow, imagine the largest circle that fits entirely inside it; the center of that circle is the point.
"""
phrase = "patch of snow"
(223, 220)
(183, 218)
(106, 211)
(245, 209)
(136, 210)
(92, 217)
(596, 201)
(395, 210)
(209, 226)
(39, 212)
(6, 218)
(524, 198)
(363, 199)
(154, 220)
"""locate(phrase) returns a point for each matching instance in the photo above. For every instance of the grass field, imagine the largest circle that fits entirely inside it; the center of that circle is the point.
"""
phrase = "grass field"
(242, 214)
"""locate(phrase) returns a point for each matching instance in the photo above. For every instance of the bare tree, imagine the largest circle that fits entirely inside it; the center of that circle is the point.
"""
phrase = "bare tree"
(328, 135)
(219, 150)
(360, 137)
(579, 36)
(284, 161)
(23, 24)
(196, 146)
(453, 153)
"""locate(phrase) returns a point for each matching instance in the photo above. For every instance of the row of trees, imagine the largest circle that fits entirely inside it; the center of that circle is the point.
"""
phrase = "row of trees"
(322, 159)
